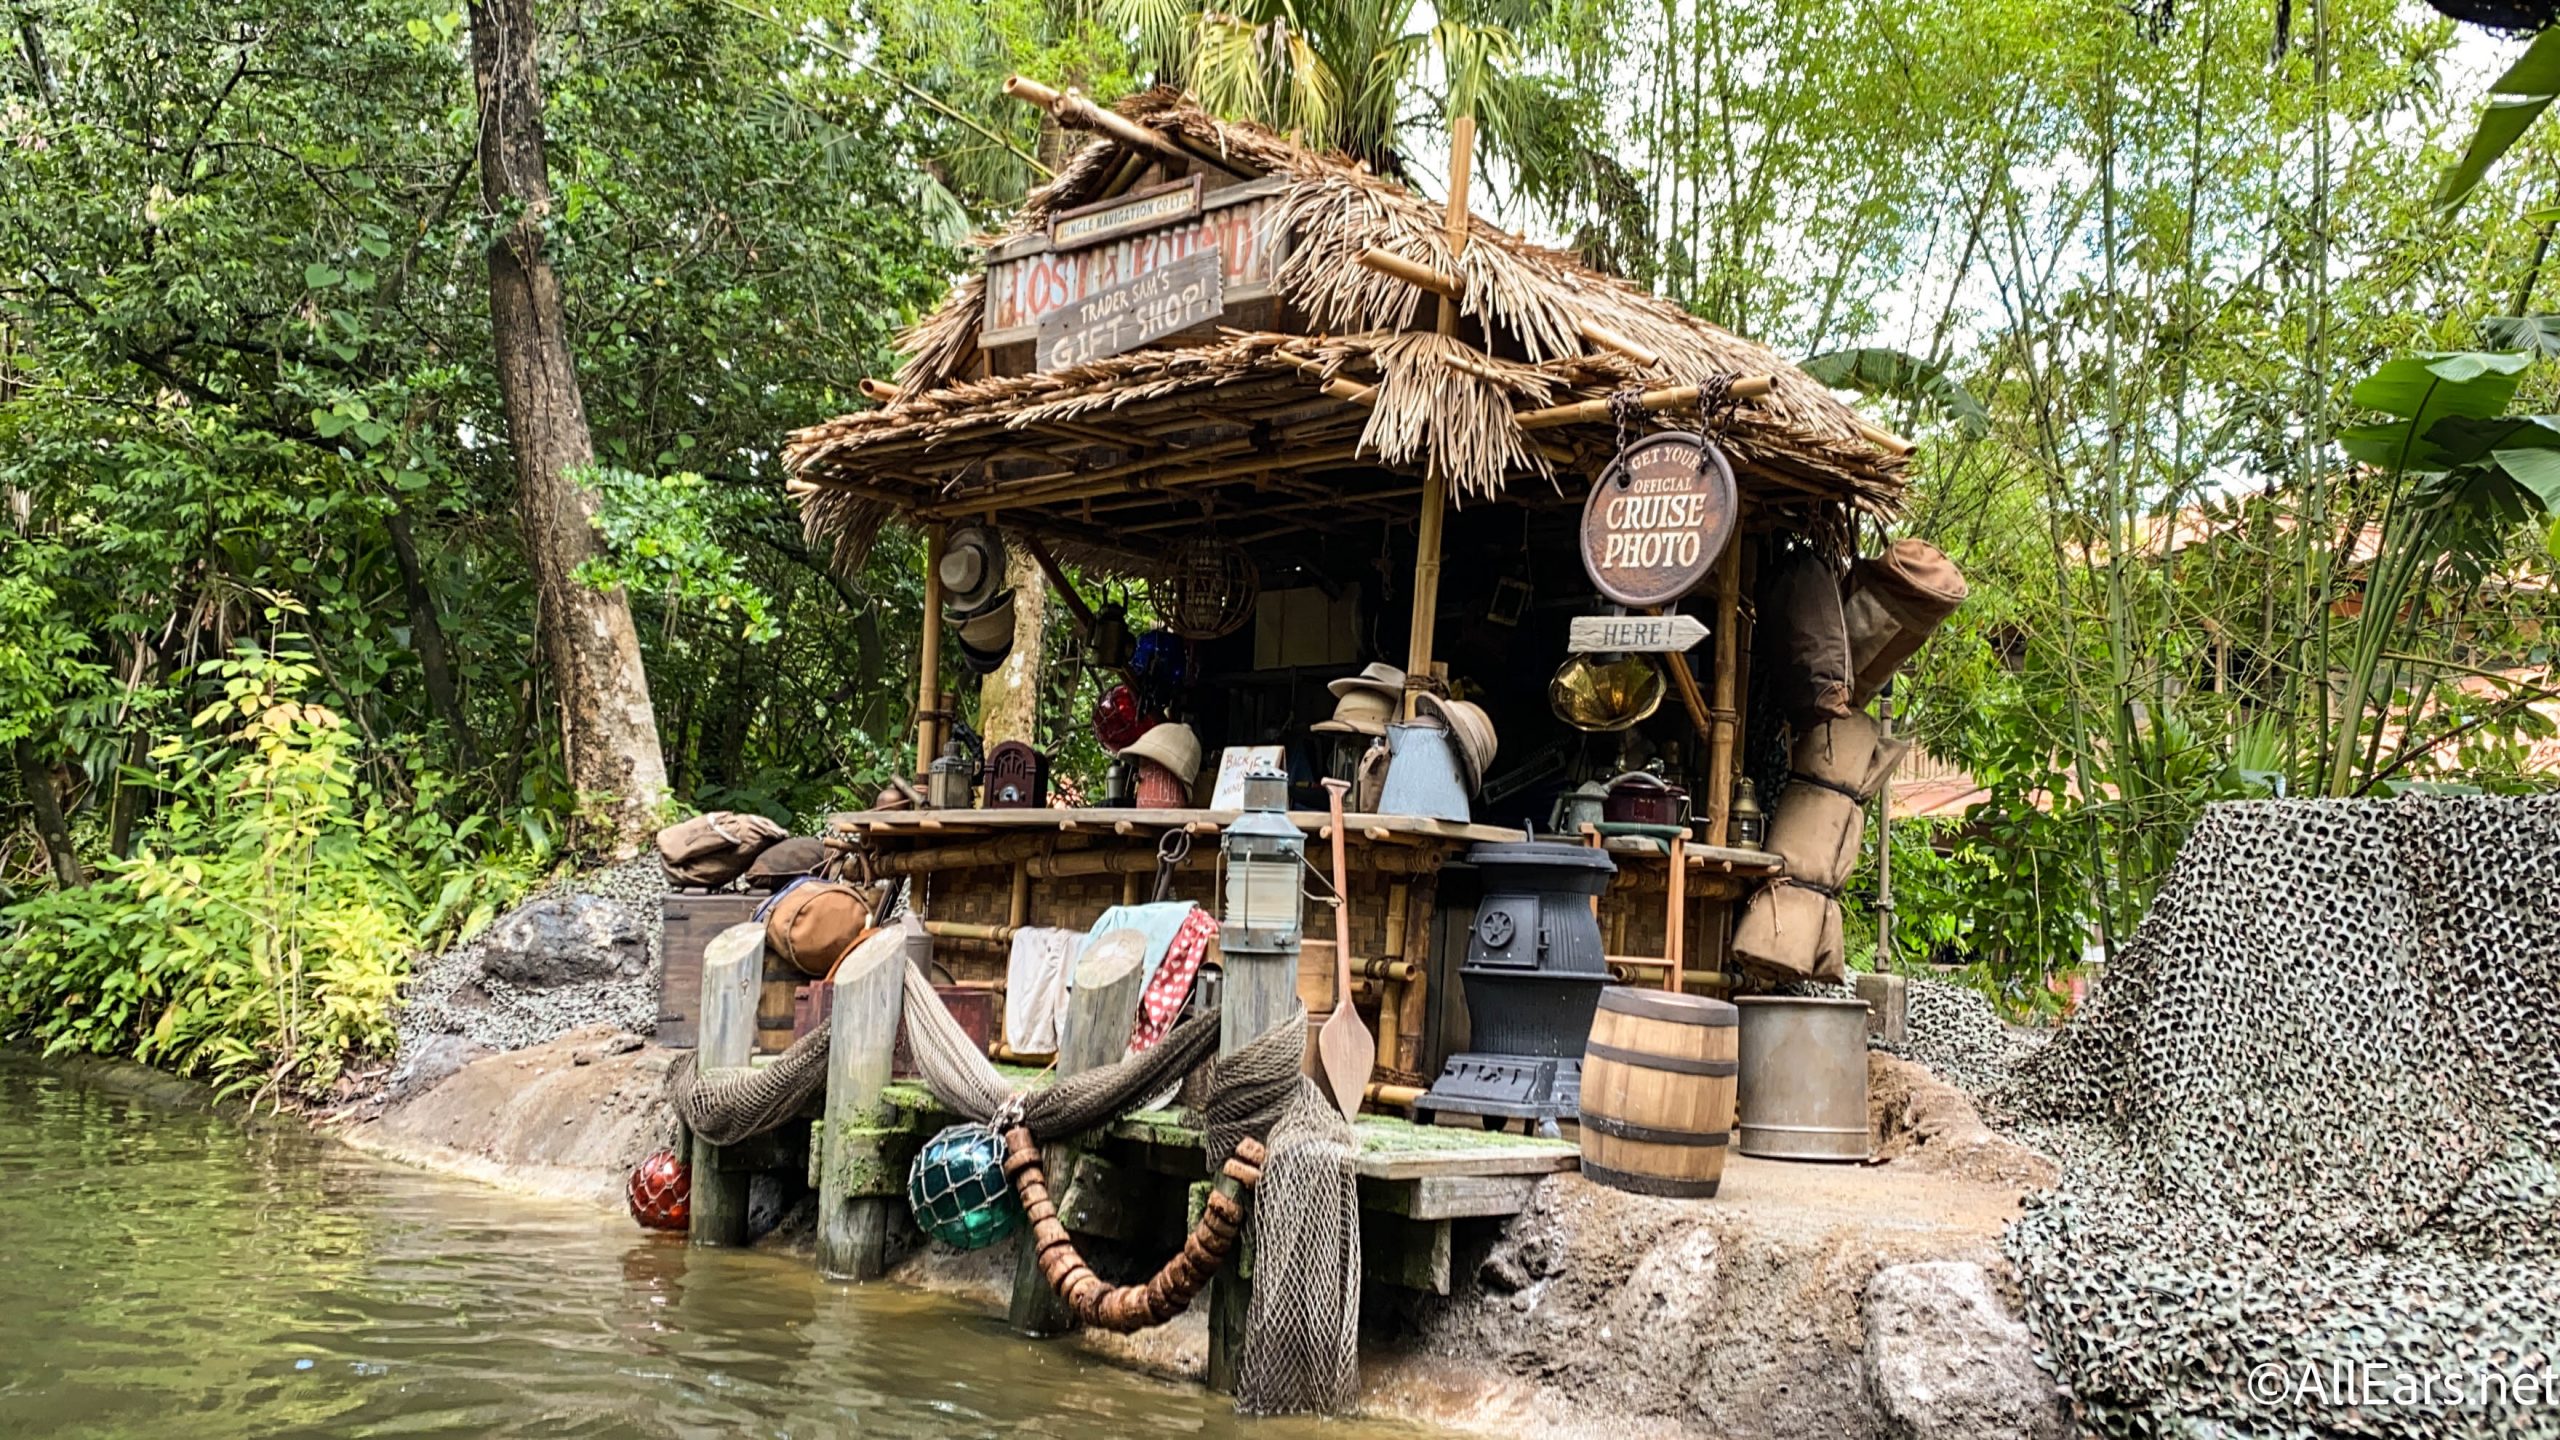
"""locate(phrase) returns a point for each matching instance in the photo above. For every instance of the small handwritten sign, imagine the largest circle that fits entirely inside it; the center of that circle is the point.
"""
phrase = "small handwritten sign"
(1658, 518)
(1651, 634)
(1145, 210)
(1190, 291)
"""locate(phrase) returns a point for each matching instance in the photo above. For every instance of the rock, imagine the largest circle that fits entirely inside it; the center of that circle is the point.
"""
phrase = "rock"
(1946, 1360)
(430, 1061)
(566, 939)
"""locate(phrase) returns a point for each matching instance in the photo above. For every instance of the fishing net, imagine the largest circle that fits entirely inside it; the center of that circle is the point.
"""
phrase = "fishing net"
(2310, 1126)
(739, 1105)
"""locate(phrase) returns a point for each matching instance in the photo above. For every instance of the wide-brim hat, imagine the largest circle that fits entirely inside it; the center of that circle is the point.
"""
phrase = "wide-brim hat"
(1589, 695)
(1359, 712)
(1472, 727)
(1379, 676)
(1171, 745)
(991, 629)
(971, 569)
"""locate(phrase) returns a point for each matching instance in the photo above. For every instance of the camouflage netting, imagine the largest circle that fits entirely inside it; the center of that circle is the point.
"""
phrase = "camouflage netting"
(2309, 1127)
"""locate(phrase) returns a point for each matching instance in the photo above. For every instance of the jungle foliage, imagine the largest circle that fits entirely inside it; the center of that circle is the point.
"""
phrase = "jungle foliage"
(2233, 426)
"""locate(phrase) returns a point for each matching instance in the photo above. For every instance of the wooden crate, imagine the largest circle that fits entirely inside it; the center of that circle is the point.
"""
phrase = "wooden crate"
(692, 918)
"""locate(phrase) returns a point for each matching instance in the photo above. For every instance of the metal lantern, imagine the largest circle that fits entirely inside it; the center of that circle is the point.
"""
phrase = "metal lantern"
(1208, 590)
(1264, 853)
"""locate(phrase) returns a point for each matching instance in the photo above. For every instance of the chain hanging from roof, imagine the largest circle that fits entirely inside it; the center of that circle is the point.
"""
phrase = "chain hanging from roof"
(1207, 590)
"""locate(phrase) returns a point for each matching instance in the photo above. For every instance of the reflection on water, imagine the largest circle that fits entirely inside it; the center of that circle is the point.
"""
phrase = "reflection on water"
(164, 1272)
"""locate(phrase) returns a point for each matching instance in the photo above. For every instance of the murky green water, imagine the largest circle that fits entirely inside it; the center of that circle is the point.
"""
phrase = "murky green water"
(165, 1273)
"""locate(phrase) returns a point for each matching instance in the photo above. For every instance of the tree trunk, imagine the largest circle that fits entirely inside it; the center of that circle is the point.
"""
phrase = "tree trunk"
(609, 733)
(1009, 698)
(426, 637)
(36, 778)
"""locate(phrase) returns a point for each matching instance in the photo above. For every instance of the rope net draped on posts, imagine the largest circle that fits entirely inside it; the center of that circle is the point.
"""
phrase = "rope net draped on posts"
(1302, 1329)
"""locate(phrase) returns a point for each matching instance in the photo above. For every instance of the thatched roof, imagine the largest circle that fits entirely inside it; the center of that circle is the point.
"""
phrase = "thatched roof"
(1113, 454)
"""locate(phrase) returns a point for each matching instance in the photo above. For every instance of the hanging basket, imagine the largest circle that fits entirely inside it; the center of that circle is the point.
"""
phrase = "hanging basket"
(1208, 589)
(958, 1190)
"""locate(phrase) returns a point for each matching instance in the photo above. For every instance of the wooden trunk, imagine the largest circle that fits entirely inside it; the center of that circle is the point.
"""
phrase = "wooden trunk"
(1657, 1092)
(692, 917)
(776, 1002)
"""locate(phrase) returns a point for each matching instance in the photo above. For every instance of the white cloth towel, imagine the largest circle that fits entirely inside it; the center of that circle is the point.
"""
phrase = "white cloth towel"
(1035, 987)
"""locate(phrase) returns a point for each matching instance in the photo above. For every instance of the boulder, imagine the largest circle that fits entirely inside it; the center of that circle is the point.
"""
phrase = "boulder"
(1947, 1360)
(566, 939)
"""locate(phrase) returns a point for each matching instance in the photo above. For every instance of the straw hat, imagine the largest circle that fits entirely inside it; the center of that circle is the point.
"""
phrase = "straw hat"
(1589, 695)
(1472, 727)
(1359, 712)
(1380, 678)
(1172, 746)
(972, 570)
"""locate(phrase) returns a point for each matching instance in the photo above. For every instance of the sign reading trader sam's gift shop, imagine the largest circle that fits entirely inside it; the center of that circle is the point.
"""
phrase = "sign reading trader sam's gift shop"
(1661, 514)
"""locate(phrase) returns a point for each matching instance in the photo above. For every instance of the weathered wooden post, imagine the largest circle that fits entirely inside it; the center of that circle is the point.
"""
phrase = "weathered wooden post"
(858, 1191)
(725, 1043)
(1102, 1006)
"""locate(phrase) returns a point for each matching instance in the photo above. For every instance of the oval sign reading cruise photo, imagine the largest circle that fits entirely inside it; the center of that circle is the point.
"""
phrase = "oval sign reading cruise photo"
(1661, 514)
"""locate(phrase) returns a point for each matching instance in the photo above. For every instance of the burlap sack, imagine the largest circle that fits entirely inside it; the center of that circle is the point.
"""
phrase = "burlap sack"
(1818, 832)
(1837, 752)
(812, 924)
(713, 849)
(1890, 605)
(1804, 645)
(1792, 933)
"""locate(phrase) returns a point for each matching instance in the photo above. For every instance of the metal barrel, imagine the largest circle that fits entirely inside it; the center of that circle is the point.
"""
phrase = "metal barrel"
(1803, 1078)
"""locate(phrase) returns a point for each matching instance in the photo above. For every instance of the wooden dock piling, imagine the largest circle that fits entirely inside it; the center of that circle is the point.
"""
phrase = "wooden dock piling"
(726, 1042)
(1100, 1007)
(858, 1189)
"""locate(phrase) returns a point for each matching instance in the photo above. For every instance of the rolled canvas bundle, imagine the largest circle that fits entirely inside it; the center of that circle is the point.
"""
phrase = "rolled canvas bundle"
(1890, 605)
(1804, 644)
(1792, 928)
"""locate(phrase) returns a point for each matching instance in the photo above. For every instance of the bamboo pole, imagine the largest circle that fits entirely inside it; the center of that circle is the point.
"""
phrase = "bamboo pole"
(1337, 387)
(1722, 764)
(1592, 412)
(1435, 483)
(880, 390)
(1077, 113)
(929, 653)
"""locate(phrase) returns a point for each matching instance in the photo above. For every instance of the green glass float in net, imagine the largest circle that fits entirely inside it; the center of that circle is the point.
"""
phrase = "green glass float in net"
(958, 1190)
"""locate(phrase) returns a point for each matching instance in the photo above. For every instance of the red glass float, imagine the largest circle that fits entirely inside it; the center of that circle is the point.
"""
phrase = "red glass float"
(1117, 720)
(661, 1192)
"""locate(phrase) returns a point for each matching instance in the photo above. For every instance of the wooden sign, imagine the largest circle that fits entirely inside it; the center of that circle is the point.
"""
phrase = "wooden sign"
(1652, 634)
(1661, 514)
(1127, 215)
(1028, 276)
(1190, 291)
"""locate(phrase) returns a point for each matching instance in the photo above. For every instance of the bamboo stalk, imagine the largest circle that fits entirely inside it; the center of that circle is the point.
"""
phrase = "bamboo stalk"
(1337, 387)
(929, 652)
(1435, 484)
(1590, 412)
(880, 390)
(1722, 762)
(1057, 578)
(1423, 277)
(1884, 439)
(1075, 112)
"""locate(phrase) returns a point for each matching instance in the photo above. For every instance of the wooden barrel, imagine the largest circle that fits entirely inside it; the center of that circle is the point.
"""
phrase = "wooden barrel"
(1657, 1092)
(776, 1004)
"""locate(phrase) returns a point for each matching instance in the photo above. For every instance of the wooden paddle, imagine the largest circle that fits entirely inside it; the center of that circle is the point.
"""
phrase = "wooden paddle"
(1344, 1048)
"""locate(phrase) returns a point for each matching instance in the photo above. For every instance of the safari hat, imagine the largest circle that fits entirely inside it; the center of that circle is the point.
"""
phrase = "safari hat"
(1359, 712)
(972, 570)
(990, 631)
(1172, 746)
(1380, 677)
(1473, 728)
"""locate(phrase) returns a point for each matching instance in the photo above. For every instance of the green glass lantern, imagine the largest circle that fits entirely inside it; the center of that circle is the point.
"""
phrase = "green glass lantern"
(958, 1190)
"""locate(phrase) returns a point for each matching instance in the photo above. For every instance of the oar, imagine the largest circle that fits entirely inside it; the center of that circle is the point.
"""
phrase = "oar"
(1344, 1048)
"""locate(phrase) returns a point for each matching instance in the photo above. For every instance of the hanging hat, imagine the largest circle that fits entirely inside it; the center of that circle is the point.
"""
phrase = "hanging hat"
(1589, 695)
(1359, 712)
(1472, 727)
(984, 662)
(972, 571)
(1172, 746)
(991, 629)
(1380, 677)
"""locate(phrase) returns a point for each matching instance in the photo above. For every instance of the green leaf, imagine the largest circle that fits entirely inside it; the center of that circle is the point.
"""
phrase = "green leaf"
(329, 423)
(2517, 100)
(2423, 391)
(2537, 333)
(1876, 370)
(321, 277)
(2537, 470)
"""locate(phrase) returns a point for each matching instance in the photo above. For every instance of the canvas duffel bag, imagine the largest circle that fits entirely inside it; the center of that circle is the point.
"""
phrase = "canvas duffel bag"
(1804, 646)
(813, 922)
(712, 849)
(1890, 605)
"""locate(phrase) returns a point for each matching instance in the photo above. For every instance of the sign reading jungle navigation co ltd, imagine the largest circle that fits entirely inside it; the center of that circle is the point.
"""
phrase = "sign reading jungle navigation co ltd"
(1661, 514)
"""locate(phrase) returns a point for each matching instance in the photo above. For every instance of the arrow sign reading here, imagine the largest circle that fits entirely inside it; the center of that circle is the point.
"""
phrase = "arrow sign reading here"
(1596, 634)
